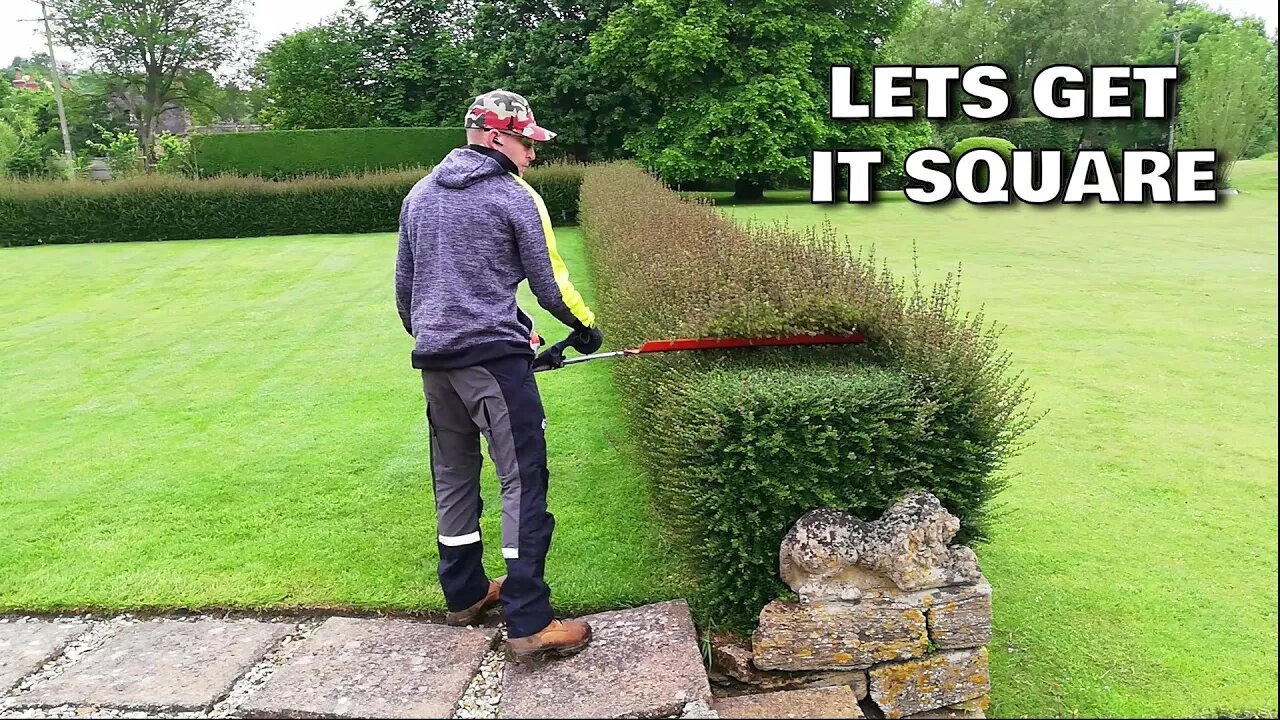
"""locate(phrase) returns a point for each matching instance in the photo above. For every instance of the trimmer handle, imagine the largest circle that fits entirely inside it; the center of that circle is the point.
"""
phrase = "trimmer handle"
(553, 357)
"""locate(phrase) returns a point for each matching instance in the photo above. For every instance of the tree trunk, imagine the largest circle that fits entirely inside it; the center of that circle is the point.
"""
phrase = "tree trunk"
(748, 187)
(152, 107)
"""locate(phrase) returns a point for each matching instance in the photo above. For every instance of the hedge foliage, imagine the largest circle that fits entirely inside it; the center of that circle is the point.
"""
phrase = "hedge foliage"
(172, 208)
(280, 154)
(740, 443)
(1034, 133)
(1000, 145)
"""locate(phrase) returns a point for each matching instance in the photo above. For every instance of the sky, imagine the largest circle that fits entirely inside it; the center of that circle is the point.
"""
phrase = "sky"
(271, 18)
(268, 18)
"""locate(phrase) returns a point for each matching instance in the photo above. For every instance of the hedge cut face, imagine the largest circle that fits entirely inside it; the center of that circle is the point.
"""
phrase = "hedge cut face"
(553, 358)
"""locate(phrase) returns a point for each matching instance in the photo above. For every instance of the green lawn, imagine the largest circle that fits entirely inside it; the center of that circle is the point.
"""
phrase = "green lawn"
(1135, 566)
(235, 423)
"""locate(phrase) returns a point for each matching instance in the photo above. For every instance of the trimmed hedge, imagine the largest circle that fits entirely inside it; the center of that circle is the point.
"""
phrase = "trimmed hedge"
(171, 208)
(1000, 145)
(740, 443)
(282, 154)
(746, 450)
(1027, 133)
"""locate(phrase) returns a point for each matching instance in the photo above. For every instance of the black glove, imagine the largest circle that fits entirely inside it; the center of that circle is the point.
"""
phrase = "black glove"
(552, 358)
(587, 340)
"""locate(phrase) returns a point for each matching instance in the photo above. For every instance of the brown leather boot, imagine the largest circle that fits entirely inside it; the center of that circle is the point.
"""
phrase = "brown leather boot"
(474, 614)
(561, 638)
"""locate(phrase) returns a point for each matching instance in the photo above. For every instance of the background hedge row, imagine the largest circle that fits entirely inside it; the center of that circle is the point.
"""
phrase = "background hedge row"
(277, 154)
(172, 208)
(1028, 133)
(739, 444)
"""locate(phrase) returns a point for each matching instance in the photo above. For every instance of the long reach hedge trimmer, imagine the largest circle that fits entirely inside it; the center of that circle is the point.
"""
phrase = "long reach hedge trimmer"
(553, 357)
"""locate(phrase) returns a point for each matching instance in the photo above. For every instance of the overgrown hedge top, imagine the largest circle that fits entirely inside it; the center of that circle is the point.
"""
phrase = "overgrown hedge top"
(276, 154)
(676, 266)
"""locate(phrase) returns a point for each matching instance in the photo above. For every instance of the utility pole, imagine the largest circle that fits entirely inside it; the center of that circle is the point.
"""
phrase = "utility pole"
(1177, 57)
(57, 92)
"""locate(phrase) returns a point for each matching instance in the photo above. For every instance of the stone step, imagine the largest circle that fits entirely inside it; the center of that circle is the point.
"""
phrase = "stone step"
(161, 665)
(24, 647)
(642, 662)
(382, 668)
(828, 702)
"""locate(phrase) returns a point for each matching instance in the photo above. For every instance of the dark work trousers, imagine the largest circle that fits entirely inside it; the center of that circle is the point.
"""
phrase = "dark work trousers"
(500, 399)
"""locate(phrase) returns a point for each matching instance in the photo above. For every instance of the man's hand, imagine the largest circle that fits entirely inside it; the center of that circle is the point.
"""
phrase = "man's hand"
(587, 340)
(552, 358)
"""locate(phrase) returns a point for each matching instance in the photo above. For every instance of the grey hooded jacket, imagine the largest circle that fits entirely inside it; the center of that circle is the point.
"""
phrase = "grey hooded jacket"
(470, 232)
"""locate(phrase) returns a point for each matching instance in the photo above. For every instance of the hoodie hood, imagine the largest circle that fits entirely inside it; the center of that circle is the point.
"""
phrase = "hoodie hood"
(466, 166)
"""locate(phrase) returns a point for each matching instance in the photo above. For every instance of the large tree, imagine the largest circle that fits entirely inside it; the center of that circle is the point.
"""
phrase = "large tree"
(1178, 35)
(1230, 94)
(421, 61)
(317, 78)
(742, 87)
(1025, 36)
(539, 49)
(149, 46)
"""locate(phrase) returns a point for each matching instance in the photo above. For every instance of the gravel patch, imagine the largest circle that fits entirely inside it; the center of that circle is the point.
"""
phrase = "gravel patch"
(484, 694)
(258, 674)
(698, 709)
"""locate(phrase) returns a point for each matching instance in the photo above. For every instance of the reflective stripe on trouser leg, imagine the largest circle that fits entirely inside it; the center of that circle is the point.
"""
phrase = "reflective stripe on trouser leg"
(455, 482)
(504, 399)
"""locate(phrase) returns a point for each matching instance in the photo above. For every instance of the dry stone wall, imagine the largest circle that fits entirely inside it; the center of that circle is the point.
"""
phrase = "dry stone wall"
(888, 608)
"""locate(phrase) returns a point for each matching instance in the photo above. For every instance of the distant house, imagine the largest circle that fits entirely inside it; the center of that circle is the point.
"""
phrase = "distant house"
(173, 118)
(225, 127)
(24, 82)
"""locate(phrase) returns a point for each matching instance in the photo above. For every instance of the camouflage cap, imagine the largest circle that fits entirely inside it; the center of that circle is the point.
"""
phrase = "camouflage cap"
(505, 110)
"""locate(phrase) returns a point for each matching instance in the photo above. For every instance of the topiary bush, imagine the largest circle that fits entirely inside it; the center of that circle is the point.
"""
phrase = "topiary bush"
(160, 207)
(1034, 133)
(1000, 145)
(739, 443)
(280, 154)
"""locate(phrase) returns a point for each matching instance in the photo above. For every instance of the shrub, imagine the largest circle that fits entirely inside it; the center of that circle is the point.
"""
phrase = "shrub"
(282, 154)
(120, 149)
(172, 208)
(740, 443)
(27, 161)
(8, 145)
(173, 155)
(1027, 133)
(1002, 146)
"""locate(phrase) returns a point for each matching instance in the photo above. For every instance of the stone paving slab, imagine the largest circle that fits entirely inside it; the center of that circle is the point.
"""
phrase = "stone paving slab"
(828, 702)
(168, 664)
(643, 662)
(24, 647)
(382, 668)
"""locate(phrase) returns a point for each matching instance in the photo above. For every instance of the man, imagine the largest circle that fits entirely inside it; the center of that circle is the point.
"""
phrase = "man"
(470, 232)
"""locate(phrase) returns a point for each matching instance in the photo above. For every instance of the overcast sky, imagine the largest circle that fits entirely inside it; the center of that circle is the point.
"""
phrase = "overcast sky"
(268, 18)
(271, 18)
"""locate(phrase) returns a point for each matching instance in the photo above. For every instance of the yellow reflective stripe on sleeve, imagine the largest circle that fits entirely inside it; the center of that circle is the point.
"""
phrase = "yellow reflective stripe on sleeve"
(568, 292)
